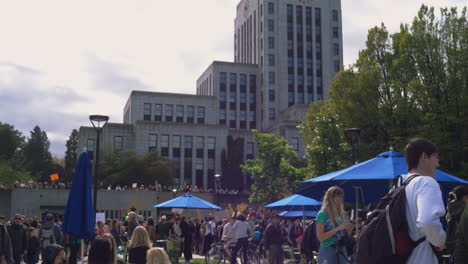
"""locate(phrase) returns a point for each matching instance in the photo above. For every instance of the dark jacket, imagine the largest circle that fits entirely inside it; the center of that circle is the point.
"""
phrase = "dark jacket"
(19, 240)
(273, 235)
(5, 245)
(454, 213)
(461, 248)
(58, 235)
(137, 255)
(34, 246)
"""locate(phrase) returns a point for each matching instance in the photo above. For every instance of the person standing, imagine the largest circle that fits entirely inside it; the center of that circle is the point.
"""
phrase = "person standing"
(273, 238)
(132, 224)
(456, 204)
(187, 234)
(332, 226)
(461, 246)
(50, 233)
(424, 204)
(19, 239)
(34, 246)
(139, 244)
(241, 232)
(116, 232)
(210, 228)
(296, 233)
(6, 253)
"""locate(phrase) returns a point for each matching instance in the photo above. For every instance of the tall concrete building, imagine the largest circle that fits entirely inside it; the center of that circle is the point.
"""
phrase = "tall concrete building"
(286, 53)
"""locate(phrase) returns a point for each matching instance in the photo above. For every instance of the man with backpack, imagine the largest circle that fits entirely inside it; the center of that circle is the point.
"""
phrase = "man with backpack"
(274, 237)
(18, 238)
(405, 226)
(50, 233)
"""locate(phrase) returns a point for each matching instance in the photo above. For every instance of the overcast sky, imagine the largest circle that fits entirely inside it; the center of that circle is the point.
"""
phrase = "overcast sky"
(63, 60)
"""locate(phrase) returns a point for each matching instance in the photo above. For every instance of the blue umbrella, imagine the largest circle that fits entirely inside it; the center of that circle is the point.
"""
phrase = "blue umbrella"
(373, 177)
(295, 202)
(188, 201)
(294, 214)
(79, 214)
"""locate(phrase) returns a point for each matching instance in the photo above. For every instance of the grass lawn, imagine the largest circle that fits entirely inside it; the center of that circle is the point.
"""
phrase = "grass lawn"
(193, 261)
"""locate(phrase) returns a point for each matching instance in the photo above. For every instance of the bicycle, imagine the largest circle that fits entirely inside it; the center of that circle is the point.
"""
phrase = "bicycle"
(219, 253)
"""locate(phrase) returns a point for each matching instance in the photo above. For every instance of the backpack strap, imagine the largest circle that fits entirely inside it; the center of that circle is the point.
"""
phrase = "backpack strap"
(405, 183)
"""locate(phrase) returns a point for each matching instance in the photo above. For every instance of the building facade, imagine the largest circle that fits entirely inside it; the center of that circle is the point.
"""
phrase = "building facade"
(286, 53)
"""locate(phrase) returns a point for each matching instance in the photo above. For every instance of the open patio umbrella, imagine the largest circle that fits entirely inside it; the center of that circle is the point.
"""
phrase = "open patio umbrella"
(295, 202)
(188, 201)
(373, 178)
(79, 213)
(295, 214)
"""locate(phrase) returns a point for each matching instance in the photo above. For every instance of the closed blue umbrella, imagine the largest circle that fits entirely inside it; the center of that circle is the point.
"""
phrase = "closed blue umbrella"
(373, 177)
(295, 202)
(188, 201)
(79, 214)
(293, 214)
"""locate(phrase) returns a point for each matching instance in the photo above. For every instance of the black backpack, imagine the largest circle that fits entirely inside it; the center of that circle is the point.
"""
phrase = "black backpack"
(384, 236)
(310, 242)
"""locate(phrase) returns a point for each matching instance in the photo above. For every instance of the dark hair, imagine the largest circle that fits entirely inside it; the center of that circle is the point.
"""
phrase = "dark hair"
(458, 192)
(414, 150)
(241, 217)
(150, 221)
(100, 252)
(50, 253)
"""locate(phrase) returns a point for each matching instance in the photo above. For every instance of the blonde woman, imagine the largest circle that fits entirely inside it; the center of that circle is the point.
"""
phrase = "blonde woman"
(113, 246)
(332, 225)
(157, 256)
(139, 244)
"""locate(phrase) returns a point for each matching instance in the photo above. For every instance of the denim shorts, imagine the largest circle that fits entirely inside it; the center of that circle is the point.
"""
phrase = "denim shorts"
(328, 255)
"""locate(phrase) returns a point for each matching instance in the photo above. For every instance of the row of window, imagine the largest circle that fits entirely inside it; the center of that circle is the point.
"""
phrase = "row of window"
(177, 142)
(180, 111)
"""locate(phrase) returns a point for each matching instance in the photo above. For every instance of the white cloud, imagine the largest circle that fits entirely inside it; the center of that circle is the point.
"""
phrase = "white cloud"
(63, 60)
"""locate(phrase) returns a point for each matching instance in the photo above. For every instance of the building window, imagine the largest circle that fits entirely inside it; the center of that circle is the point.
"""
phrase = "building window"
(222, 116)
(199, 164)
(242, 115)
(158, 112)
(169, 112)
(147, 112)
(180, 113)
(165, 146)
(271, 25)
(271, 77)
(232, 96)
(176, 141)
(118, 143)
(249, 148)
(335, 32)
(290, 98)
(335, 15)
(200, 142)
(188, 142)
(336, 49)
(222, 96)
(271, 94)
(243, 98)
(91, 147)
(252, 115)
(201, 114)
(211, 144)
(336, 65)
(271, 60)
(211, 164)
(271, 8)
(271, 42)
(190, 114)
(271, 113)
(294, 143)
(153, 142)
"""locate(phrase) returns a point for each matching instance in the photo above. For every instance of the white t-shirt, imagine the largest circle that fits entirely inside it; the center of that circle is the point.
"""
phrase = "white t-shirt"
(226, 229)
(241, 230)
(210, 228)
(424, 207)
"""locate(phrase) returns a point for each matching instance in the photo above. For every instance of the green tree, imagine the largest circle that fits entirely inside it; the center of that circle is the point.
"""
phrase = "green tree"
(272, 172)
(11, 173)
(71, 155)
(37, 155)
(127, 167)
(412, 83)
(11, 140)
(323, 137)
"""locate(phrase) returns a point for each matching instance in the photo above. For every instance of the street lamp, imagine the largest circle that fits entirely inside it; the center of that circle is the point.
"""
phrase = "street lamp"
(217, 186)
(98, 122)
(352, 135)
(174, 191)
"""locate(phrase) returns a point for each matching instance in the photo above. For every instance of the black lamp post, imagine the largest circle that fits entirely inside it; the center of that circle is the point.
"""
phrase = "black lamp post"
(217, 186)
(174, 192)
(352, 135)
(98, 121)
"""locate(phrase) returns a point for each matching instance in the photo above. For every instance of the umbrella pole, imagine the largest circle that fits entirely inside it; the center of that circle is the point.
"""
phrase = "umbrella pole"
(356, 191)
(82, 251)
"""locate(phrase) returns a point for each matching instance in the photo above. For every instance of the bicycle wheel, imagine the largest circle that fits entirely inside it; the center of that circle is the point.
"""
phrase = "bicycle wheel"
(253, 257)
(214, 256)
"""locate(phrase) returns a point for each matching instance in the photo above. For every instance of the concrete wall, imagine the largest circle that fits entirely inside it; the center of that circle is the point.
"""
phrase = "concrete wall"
(113, 203)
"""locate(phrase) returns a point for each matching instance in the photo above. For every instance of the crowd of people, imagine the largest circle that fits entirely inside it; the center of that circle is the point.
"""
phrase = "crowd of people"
(326, 239)
(136, 187)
